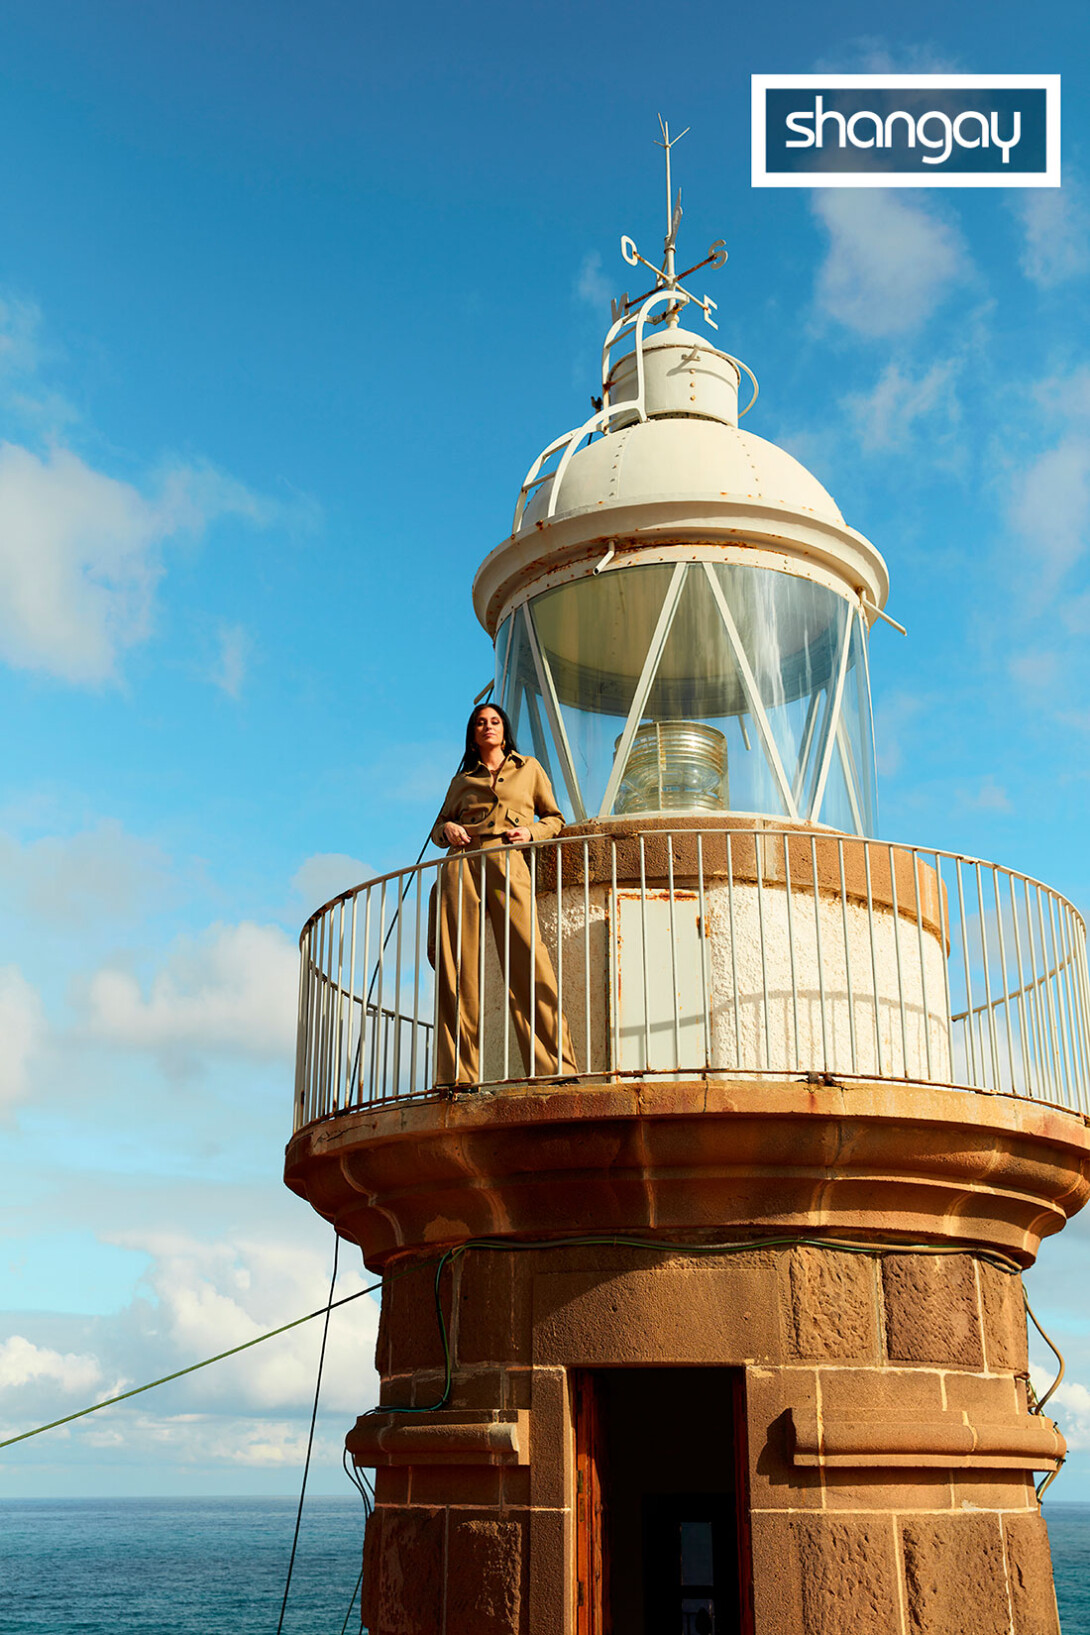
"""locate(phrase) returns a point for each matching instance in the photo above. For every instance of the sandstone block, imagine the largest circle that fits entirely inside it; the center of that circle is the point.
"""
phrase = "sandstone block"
(669, 1315)
(1029, 1567)
(825, 1577)
(931, 1310)
(484, 1578)
(834, 1305)
(1004, 1312)
(954, 1575)
(551, 1446)
(412, 1338)
(774, 1480)
(403, 1572)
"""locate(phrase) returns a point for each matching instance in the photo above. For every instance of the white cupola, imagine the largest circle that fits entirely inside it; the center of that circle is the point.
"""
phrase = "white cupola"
(680, 613)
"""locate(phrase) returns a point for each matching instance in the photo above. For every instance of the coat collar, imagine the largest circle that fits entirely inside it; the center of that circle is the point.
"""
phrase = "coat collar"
(513, 758)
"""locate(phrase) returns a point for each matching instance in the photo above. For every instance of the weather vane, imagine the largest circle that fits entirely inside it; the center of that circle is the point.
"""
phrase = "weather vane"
(665, 276)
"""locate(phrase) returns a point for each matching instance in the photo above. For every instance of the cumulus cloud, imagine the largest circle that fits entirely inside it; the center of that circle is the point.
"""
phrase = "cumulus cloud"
(1036, 670)
(592, 286)
(989, 796)
(196, 1300)
(1069, 1406)
(233, 989)
(232, 661)
(1050, 509)
(885, 417)
(82, 878)
(326, 875)
(80, 555)
(22, 1030)
(1056, 233)
(65, 1374)
(891, 261)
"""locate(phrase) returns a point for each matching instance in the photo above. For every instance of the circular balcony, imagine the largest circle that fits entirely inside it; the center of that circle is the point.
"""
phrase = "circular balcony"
(718, 950)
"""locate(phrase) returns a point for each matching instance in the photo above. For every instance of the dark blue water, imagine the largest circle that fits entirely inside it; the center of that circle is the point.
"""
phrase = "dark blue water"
(177, 1566)
(216, 1566)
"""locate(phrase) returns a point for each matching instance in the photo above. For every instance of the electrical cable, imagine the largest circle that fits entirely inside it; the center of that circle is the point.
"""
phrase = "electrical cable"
(351, 1604)
(179, 1373)
(1038, 1405)
(658, 1245)
(310, 1437)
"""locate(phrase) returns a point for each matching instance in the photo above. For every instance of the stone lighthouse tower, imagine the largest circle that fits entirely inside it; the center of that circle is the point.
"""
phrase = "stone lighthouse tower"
(724, 1334)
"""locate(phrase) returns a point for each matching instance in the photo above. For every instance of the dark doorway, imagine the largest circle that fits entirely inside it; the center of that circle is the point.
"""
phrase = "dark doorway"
(662, 1545)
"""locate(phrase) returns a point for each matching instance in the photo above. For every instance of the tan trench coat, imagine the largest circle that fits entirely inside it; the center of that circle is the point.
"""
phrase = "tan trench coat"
(522, 798)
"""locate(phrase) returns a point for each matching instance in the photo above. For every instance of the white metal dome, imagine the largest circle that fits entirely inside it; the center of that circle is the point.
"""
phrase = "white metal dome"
(668, 458)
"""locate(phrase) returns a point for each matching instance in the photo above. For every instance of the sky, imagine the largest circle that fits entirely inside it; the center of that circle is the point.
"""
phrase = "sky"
(290, 298)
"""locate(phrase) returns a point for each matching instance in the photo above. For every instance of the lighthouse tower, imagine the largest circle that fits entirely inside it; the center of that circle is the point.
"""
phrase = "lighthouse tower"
(724, 1335)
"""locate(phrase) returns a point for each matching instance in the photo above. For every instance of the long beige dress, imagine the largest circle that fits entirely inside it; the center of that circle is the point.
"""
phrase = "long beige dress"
(499, 876)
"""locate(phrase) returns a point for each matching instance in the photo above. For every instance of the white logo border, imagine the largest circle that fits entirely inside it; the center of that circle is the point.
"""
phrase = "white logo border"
(760, 83)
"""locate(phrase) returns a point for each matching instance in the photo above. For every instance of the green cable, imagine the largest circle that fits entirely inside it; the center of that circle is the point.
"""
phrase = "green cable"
(735, 1246)
(179, 1373)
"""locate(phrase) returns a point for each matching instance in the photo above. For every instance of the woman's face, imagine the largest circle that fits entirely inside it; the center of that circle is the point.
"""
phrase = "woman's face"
(488, 730)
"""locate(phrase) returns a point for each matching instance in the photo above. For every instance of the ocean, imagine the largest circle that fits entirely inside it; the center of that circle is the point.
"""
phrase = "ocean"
(217, 1566)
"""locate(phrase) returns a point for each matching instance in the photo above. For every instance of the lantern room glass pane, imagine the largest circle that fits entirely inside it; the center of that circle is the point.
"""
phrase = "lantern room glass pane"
(525, 706)
(726, 676)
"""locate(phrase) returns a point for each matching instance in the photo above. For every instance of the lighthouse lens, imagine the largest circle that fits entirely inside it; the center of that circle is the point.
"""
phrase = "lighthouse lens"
(695, 686)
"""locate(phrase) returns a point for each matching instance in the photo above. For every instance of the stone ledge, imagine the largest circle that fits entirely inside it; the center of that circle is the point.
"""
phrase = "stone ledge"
(466, 1438)
(872, 1158)
(947, 1441)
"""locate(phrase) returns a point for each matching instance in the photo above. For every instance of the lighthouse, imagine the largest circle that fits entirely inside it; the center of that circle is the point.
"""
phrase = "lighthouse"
(724, 1333)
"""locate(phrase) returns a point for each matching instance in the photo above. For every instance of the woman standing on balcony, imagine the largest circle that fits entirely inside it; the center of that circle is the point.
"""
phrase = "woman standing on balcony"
(498, 800)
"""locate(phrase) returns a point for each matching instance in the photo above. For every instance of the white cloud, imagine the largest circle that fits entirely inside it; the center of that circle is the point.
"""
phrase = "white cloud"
(591, 285)
(1050, 508)
(22, 1030)
(196, 1300)
(69, 1373)
(1056, 228)
(890, 262)
(894, 719)
(80, 556)
(82, 878)
(1069, 1406)
(1036, 670)
(989, 797)
(233, 989)
(326, 875)
(869, 54)
(1066, 395)
(885, 417)
(233, 659)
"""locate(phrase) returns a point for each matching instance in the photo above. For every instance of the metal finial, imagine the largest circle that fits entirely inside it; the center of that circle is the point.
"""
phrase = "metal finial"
(665, 276)
(673, 209)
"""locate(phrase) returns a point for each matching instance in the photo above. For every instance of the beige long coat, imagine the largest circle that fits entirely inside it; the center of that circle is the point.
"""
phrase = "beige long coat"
(522, 798)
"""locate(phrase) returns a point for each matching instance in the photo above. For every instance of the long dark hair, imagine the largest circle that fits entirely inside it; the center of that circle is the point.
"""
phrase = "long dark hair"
(472, 756)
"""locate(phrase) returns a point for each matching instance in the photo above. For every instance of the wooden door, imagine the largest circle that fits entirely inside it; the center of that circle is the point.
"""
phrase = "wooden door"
(591, 1588)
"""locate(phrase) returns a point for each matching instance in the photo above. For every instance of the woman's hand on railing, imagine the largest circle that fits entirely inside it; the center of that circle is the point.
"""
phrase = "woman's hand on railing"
(456, 836)
(519, 836)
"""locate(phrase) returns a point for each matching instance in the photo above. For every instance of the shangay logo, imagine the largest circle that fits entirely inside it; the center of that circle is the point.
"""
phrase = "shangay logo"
(906, 130)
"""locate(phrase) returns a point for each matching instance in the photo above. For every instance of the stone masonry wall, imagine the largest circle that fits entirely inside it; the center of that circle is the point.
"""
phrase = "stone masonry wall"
(899, 1345)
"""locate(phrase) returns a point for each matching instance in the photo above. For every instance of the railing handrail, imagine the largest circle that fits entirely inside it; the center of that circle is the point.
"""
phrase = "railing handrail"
(819, 831)
(885, 1001)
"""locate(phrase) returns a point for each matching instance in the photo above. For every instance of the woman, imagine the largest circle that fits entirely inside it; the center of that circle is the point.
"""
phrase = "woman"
(497, 801)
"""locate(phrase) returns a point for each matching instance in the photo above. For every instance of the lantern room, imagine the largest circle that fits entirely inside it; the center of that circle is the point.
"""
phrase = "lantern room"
(681, 614)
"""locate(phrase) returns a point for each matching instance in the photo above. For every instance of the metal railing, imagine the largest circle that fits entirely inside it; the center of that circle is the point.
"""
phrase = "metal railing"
(694, 952)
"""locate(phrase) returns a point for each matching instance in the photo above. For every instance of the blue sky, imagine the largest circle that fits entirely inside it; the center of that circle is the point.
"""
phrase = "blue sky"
(289, 300)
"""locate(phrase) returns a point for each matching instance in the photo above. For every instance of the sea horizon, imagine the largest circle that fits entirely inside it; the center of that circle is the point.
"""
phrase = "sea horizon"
(198, 1565)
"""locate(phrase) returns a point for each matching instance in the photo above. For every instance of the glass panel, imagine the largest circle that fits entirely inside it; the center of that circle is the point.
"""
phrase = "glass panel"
(526, 709)
(503, 638)
(792, 631)
(595, 634)
(702, 741)
(696, 1553)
